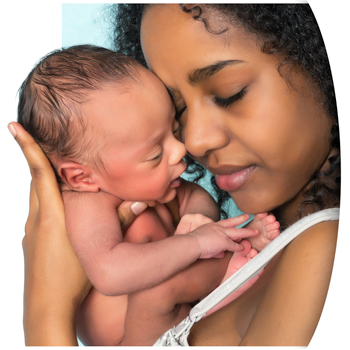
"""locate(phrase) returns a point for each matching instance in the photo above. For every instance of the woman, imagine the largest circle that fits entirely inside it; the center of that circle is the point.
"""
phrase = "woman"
(254, 96)
(259, 114)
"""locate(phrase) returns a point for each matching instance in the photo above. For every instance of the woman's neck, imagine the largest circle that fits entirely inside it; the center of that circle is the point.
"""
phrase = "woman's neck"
(288, 213)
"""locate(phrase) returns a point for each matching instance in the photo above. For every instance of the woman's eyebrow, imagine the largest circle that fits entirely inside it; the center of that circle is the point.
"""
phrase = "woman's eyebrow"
(206, 72)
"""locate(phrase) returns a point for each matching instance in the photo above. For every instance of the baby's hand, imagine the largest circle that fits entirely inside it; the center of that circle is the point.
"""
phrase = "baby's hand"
(217, 237)
(190, 222)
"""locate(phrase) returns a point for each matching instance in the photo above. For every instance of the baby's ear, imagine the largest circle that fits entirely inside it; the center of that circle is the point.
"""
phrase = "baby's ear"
(78, 177)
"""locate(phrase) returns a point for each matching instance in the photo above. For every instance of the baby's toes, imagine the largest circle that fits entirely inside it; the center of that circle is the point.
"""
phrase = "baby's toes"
(247, 247)
(269, 219)
(272, 230)
(273, 226)
(252, 253)
(261, 216)
(274, 234)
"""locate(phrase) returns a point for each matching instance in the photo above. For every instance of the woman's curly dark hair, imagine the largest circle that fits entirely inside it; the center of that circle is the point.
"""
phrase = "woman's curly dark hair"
(288, 29)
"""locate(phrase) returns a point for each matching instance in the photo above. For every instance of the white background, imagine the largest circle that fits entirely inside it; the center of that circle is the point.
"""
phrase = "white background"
(31, 29)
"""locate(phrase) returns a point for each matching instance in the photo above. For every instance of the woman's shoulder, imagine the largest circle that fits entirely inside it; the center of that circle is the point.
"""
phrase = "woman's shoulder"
(292, 302)
(310, 253)
(314, 241)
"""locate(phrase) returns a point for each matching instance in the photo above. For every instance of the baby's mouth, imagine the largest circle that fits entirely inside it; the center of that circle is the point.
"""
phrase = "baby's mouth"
(175, 183)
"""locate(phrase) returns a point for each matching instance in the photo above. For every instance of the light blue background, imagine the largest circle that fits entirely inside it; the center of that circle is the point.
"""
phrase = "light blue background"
(85, 24)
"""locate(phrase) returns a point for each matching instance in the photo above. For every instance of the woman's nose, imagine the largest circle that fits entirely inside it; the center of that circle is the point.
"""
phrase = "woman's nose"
(203, 133)
(178, 152)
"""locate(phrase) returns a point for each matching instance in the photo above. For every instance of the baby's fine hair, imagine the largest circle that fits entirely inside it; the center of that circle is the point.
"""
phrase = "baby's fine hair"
(50, 96)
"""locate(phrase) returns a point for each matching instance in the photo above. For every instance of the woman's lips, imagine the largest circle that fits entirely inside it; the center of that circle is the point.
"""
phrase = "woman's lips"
(235, 180)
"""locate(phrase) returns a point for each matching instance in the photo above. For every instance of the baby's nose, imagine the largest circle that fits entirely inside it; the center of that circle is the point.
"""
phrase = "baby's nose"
(178, 153)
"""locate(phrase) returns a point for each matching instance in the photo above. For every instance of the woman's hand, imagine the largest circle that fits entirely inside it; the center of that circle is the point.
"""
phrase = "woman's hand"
(55, 283)
(128, 212)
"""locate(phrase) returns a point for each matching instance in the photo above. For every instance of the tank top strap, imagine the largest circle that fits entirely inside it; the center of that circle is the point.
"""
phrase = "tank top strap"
(177, 336)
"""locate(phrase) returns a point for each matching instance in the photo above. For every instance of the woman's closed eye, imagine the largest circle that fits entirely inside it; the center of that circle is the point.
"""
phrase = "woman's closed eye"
(179, 111)
(176, 129)
(225, 102)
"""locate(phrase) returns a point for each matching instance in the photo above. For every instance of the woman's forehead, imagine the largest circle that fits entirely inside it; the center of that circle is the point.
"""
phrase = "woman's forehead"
(184, 44)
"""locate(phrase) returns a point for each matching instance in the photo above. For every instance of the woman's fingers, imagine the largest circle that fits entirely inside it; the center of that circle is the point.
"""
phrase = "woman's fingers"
(128, 211)
(44, 178)
(33, 210)
(33, 201)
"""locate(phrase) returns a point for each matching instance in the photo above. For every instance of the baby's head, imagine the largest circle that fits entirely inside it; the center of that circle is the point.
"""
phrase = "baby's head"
(99, 116)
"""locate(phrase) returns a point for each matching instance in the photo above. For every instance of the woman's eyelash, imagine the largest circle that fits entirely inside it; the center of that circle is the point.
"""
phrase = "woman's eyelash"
(225, 102)
(179, 112)
(221, 102)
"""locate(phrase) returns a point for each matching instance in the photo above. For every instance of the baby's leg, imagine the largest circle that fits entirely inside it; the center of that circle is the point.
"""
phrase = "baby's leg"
(268, 229)
(153, 311)
(100, 319)
(148, 317)
(236, 262)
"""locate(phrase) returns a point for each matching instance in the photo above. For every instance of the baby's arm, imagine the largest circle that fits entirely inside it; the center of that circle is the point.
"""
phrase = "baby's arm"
(115, 267)
(196, 207)
(193, 199)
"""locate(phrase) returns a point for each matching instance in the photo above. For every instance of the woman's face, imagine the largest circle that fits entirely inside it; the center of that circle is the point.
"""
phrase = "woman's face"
(262, 137)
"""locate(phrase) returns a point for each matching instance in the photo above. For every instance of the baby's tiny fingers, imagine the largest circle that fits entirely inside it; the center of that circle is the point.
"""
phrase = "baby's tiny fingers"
(233, 222)
(235, 247)
(220, 255)
(237, 233)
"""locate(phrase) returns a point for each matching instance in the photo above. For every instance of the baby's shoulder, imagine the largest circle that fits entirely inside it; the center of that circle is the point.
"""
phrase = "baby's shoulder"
(88, 198)
(187, 189)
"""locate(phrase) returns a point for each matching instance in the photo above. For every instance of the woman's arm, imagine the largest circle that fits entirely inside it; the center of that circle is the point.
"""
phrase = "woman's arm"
(291, 307)
(55, 284)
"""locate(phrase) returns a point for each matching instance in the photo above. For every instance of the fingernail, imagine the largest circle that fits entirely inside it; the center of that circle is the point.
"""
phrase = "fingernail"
(138, 207)
(12, 130)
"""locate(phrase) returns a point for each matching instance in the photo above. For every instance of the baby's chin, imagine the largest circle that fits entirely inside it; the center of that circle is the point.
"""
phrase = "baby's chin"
(168, 197)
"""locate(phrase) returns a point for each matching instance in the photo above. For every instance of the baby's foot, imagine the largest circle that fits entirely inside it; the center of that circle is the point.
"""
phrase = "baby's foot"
(236, 262)
(268, 228)
(239, 259)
